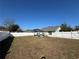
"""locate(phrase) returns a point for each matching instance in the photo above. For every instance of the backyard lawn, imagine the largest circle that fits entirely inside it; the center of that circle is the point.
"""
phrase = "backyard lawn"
(49, 48)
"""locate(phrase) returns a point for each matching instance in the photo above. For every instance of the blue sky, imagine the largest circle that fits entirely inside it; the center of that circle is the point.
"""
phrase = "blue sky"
(31, 14)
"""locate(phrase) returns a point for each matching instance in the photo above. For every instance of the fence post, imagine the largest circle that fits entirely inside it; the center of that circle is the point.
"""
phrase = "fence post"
(71, 34)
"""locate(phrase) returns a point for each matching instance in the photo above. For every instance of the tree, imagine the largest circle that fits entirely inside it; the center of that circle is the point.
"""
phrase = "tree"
(76, 28)
(69, 28)
(8, 21)
(10, 25)
(13, 28)
(65, 27)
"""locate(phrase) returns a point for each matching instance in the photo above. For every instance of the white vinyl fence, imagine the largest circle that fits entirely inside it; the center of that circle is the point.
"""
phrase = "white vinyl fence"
(70, 35)
(18, 34)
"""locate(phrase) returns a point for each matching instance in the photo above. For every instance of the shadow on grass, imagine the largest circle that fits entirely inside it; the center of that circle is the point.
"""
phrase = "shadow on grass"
(4, 46)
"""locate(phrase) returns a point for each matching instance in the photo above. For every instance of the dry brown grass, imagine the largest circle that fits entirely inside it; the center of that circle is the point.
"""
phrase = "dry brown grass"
(51, 48)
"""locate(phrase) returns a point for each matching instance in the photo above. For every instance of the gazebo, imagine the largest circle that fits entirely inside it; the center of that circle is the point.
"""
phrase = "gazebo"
(38, 32)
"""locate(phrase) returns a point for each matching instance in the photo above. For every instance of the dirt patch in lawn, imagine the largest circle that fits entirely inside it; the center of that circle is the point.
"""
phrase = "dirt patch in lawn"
(49, 48)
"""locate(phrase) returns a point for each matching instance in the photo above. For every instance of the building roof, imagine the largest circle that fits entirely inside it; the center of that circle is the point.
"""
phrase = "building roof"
(28, 30)
(50, 28)
(37, 30)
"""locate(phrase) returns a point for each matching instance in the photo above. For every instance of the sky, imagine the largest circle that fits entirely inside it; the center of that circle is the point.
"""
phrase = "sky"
(30, 14)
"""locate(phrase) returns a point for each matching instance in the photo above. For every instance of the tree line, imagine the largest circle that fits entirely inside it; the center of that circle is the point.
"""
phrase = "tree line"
(11, 26)
(66, 27)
